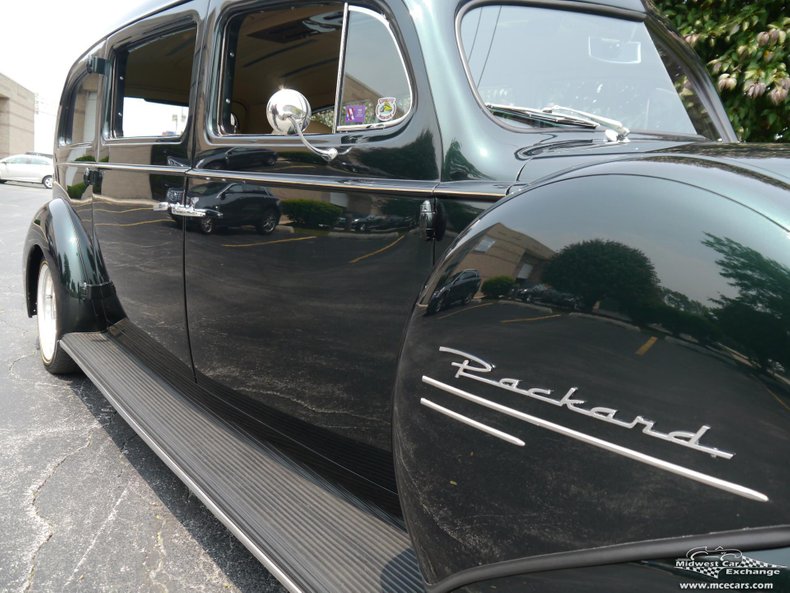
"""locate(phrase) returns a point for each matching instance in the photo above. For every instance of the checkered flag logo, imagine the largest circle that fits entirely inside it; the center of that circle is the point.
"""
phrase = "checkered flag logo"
(711, 562)
(709, 569)
(747, 562)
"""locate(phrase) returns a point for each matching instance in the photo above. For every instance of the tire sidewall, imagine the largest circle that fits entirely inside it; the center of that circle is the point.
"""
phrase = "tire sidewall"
(61, 362)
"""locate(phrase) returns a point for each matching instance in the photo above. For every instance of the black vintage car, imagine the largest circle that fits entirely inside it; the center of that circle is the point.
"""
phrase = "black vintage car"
(294, 380)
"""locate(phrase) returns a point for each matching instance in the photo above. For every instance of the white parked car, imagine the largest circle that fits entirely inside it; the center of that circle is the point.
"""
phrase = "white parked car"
(34, 168)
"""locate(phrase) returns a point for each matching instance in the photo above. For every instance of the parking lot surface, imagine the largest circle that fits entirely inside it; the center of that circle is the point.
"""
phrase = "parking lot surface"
(85, 505)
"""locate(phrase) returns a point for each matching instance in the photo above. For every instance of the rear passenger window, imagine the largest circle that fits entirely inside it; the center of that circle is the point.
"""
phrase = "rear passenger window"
(152, 85)
(81, 126)
(300, 48)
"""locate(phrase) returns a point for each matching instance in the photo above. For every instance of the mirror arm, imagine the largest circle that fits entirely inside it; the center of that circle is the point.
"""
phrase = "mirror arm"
(329, 154)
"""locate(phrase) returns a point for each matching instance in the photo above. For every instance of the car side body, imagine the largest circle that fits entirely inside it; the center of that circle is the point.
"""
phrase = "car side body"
(332, 375)
(29, 167)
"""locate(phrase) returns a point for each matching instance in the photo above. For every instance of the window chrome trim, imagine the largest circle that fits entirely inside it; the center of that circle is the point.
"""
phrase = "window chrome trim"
(375, 126)
(341, 66)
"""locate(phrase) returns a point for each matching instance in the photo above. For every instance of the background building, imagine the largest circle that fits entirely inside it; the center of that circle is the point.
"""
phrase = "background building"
(17, 111)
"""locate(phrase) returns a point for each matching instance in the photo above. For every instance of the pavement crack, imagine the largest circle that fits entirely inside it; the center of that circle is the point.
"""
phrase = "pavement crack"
(153, 574)
(107, 521)
(11, 371)
(35, 491)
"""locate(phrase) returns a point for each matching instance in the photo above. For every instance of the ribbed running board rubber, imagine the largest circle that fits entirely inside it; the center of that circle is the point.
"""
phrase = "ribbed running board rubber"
(313, 536)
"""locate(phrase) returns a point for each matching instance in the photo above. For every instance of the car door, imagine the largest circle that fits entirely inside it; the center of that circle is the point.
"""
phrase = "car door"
(16, 168)
(143, 157)
(299, 322)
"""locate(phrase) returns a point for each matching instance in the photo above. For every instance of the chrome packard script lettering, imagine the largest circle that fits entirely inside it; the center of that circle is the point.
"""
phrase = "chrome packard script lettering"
(475, 368)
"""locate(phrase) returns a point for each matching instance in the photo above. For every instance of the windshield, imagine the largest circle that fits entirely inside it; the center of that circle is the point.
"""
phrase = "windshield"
(529, 57)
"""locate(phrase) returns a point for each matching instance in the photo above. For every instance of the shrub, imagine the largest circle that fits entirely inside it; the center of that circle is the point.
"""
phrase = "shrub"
(312, 213)
(497, 287)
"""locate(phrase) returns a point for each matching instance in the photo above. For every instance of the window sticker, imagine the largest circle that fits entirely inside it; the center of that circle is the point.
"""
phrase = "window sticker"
(355, 114)
(386, 108)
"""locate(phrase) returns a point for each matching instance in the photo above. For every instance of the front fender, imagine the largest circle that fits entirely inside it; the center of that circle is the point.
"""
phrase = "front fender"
(57, 234)
(619, 377)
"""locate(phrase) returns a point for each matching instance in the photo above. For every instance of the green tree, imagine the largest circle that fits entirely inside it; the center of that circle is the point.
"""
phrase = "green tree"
(744, 45)
(598, 269)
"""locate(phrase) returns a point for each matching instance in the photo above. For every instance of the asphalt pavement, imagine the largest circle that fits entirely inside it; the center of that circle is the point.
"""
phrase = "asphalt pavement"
(85, 504)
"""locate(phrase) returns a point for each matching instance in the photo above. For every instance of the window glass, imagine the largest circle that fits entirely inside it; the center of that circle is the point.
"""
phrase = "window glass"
(296, 48)
(152, 86)
(606, 66)
(375, 85)
(82, 110)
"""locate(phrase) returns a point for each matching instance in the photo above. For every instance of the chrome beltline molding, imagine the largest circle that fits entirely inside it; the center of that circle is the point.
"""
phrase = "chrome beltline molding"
(309, 181)
(136, 168)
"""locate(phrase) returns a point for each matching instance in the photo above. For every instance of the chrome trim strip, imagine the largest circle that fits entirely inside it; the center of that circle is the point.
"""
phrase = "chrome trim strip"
(473, 423)
(191, 484)
(452, 193)
(283, 179)
(341, 66)
(602, 444)
(138, 168)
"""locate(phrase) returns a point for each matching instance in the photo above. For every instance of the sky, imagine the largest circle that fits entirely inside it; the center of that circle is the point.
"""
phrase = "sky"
(41, 39)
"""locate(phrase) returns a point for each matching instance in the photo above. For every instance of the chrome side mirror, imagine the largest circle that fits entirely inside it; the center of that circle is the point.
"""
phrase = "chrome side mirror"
(288, 112)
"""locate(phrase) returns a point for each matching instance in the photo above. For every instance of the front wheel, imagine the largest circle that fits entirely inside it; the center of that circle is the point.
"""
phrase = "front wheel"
(47, 182)
(50, 324)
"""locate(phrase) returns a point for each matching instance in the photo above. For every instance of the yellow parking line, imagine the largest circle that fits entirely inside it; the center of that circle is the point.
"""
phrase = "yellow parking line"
(646, 346)
(361, 257)
(241, 245)
(463, 310)
(530, 318)
(125, 224)
(776, 397)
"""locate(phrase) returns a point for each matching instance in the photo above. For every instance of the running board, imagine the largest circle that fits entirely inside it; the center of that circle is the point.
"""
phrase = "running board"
(313, 536)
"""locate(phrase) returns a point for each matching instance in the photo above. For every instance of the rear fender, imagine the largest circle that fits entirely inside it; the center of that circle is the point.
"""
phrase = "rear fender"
(57, 235)
(619, 377)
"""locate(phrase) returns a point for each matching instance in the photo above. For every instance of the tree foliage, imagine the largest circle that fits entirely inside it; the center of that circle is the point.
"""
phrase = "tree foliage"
(598, 269)
(744, 45)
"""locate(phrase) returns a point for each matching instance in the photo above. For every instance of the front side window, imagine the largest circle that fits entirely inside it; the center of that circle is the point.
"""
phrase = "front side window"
(152, 84)
(523, 59)
(295, 48)
(300, 48)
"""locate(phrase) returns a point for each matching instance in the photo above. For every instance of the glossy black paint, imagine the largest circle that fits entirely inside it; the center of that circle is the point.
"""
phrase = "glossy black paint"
(645, 576)
(304, 323)
(293, 327)
(682, 294)
(142, 248)
(57, 234)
